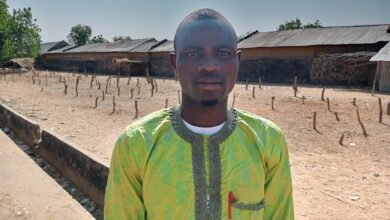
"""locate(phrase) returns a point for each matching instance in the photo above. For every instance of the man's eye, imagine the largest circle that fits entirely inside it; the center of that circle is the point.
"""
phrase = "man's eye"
(192, 54)
(224, 53)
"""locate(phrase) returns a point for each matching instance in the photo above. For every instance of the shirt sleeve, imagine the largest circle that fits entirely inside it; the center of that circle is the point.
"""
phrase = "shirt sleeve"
(123, 196)
(278, 183)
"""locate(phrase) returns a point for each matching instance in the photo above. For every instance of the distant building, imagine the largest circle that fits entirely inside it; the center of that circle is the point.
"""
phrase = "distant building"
(329, 55)
(49, 46)
(383, 68)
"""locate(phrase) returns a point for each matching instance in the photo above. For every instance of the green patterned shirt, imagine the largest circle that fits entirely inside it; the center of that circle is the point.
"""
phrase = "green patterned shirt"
(162, 170)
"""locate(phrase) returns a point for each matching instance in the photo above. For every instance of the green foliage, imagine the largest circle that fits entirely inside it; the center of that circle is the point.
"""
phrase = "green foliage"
(118, 38)
(98, 39)
(19, 35)
(297, 24)
(316, 24)
(80, 34)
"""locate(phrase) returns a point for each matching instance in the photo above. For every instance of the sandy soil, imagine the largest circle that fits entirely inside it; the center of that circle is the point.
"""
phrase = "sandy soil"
(331, 181)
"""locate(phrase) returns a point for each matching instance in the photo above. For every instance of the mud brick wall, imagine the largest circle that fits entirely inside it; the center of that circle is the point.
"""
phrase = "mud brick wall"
(161, 66)
(352, 69)
(275, 70)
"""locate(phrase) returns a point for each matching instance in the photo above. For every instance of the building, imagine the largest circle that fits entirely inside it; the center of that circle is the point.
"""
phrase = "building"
(383, 68)
(329, 55)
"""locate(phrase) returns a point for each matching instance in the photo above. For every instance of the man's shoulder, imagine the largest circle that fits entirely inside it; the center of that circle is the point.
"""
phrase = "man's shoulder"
(150, 121)
(257, 122)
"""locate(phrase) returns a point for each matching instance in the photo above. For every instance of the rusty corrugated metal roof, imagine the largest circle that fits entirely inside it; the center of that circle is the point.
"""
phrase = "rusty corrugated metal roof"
(166, 46)
(118, 46)
(49, 46)
(366, 34)
(383, 54)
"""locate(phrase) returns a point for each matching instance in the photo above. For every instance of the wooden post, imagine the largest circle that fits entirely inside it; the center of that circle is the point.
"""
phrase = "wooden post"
(259, 82)
(155, 85)
(295, 86)
(322, 93)
(315, 121)
(137, 82)
(119, 90)
(96, 101)
(328, 103)
(234, 98)
(139, 89)
(178, 95)
(65, 87)
(128, 81)
(136, 108)
(360, 122)
(166, 103)
(46, 80)
(102, 95)
(131, 93)
(247, 82)
(91, 82)
(99, 84)
(341, 139)
(77, 84)
(388, 109)
(354, 101)
(272, 102)
(108, 78)
(151, 90)
(380, 110)
(253, 92)
(113, 104)
(337, 116)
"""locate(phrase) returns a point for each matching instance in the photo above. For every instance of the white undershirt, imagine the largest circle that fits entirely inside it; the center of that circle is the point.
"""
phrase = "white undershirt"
(204, 130)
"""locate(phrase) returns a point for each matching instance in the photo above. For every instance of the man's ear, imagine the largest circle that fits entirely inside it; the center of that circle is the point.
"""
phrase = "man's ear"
(238, 55)
(172, 57)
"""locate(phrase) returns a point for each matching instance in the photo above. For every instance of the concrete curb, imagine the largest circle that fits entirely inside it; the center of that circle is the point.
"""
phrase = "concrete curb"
(80, 167)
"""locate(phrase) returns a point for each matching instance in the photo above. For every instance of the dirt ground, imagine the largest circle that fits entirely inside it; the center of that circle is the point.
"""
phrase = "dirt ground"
(331, 181)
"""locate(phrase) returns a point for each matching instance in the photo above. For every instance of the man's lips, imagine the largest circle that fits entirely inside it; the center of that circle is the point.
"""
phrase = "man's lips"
(209, 83)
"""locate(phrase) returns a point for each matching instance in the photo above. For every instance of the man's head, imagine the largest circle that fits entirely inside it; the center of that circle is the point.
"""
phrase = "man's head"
(205, 57)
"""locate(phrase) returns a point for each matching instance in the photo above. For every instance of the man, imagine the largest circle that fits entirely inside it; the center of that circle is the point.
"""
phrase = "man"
(201, 160)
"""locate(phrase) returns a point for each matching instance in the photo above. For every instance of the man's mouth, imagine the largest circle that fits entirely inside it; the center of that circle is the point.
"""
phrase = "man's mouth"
(209, 83)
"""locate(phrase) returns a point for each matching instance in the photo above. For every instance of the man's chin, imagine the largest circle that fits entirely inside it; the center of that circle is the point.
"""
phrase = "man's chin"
(209, 103)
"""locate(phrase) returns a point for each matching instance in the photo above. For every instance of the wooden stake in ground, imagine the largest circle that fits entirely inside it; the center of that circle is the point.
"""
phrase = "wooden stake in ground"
(131, 93)
(272, 102)
(315, 121)
(139, 90)
(234, 98)
(151, 91)
(380, 110)
(113, 104)
(128, 81)
(253, 92)
(360, 122)
(166, 103)
(155, 84)
(91, 82)
(247, 82)
(341, 139)
(388, 109)
(137, 82)
(322, 93)
(259, 82)
(65, 87)
(77, 84)
(46, 80)
(354, 102)
(337, 116)
(328, 103)
(108, 78)
(136, 108)
(103, 95)
(178, 95)
(96, 101)
(99, 84)
(119, 90)
(295, 86)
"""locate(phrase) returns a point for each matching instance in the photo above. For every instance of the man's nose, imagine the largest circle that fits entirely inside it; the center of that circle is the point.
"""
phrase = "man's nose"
(209, 66)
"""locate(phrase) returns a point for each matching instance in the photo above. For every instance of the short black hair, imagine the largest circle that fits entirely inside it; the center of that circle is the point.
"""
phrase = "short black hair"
(200, 15)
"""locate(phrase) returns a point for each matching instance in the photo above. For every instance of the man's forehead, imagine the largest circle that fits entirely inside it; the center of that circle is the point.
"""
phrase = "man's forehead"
(204, 27)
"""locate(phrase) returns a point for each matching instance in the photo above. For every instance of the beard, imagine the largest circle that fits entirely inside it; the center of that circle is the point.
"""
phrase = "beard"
(209, 103)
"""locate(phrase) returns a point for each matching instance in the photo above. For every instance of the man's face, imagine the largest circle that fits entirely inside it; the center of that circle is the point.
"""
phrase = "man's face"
(206, 61)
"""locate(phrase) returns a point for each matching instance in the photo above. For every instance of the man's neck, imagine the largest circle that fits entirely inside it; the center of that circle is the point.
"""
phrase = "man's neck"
(204, 116)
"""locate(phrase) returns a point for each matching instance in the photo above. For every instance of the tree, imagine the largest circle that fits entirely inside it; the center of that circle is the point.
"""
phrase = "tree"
(297, 24)
(316, 24)
(4, 17)
(22, 36)
(98, 39)
(79, 34)
(118, 38)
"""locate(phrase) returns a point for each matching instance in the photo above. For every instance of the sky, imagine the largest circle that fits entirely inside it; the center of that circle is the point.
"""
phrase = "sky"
(159, 19)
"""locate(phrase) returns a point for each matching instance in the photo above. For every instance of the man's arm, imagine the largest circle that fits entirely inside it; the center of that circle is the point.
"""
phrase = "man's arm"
(123, 197)
(278, 184)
